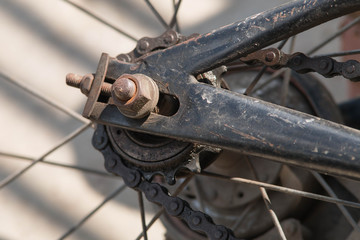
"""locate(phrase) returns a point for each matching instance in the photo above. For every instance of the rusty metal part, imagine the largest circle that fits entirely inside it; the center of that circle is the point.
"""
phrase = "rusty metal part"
(156, 193)
(201, 105)
(271, 57)
(147, 44)
(236, 205)
(148, 152)
(301, 63)
(135, 95)
(95, 90)
(85, 82)
(124, 89)
(217, 117)
(214, 77)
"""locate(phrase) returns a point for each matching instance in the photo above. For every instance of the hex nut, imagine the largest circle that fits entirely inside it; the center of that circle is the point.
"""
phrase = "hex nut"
(144, 100)
(86, 83)
(124, 89)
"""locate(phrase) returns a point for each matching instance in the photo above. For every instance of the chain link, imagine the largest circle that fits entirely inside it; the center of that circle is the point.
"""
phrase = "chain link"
(156, 193)
(299, 62)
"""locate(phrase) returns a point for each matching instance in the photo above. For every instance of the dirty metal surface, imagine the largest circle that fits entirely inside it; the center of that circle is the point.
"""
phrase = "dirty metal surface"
(220, 118)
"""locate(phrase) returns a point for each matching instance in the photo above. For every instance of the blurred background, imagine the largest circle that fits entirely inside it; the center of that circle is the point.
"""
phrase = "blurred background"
(41, 41)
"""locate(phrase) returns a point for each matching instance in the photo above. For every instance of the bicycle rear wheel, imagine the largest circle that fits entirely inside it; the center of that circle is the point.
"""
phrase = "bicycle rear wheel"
(29, 132)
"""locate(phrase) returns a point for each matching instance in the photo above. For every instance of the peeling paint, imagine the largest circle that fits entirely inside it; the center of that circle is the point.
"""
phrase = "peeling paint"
(207, 97)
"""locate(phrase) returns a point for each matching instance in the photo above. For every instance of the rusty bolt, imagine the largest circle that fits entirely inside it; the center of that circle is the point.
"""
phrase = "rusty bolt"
(73, 80)
(135, 95)
(124, 89)
(85, 83)
(270, 56)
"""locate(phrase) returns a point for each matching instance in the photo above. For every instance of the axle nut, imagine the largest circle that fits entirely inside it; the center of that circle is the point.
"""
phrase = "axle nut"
(135, 95)
(124, 89)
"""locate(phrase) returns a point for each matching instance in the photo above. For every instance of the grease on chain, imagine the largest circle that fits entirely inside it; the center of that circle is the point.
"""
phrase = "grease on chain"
(299, 62)
(156, 193)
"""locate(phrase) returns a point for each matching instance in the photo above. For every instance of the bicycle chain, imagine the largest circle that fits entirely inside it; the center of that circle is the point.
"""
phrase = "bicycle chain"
(146, 45)
(156, 193)
(299, 62)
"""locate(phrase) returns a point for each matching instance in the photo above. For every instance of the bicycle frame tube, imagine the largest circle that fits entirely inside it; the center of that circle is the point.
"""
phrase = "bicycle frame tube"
(258, 31)
(232, 121)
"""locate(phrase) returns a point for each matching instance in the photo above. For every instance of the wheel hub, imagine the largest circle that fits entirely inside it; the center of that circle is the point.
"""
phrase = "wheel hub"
(149, 152)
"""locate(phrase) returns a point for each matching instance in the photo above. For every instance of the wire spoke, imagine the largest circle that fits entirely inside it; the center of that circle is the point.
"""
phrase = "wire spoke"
(198, 194)
(287, 76)
(177, 23)
(285, 87)
(272, 213)
(335, 35)
(68, 138)
(101, 20)
(82, 221)
(255, 81)
(267, 202)
(285, 190)
(44, 161)
(282, 43)
(340, 54)
(173, 19)
(161, 211)
(142, 213)
(157, 14)
(272, 78)
(152, 221)
(41, 96)
(342, 209)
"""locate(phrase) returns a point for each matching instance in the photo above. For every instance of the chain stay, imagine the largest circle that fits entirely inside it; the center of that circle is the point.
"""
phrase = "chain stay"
(299, 62)
(156, 193)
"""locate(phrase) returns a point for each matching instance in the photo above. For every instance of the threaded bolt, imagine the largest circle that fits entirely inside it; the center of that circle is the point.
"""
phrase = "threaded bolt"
(106, 89)
(73, 80)
(270, 56)
(85, 83)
